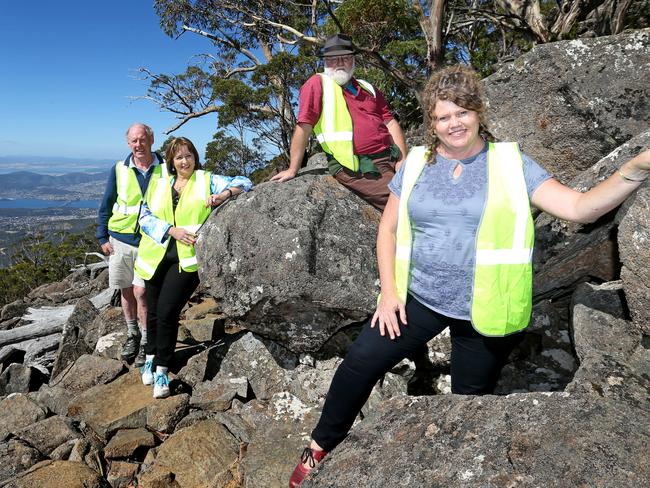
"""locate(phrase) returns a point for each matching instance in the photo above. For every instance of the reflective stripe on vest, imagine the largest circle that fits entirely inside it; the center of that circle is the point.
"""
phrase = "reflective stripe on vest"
(415, 161)
(190, 214)
(144, 269)
(502, 291)
(503, 272)
(334, 127)
(126, 208)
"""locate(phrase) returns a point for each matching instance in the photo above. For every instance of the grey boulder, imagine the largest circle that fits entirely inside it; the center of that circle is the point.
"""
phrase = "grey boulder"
(293, 261)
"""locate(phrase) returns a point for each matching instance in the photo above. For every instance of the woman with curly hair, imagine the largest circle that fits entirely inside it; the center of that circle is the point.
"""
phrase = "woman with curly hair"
(454, 247)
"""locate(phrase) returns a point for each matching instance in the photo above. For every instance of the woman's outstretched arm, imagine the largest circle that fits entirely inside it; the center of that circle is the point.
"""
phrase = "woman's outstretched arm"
(565, 203)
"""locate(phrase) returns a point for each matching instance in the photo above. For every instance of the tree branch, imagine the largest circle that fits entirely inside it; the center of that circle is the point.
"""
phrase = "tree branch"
(330, 12)
(169, 85)
(228, 41)
(184, 120)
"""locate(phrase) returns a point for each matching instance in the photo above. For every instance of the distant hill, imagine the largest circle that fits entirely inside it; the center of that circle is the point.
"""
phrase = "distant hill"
(53, 165)
(27, 180)
(53, 159)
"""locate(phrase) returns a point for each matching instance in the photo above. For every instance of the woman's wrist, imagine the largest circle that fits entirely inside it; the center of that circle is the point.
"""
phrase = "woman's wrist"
(388, 292)
(629, 172)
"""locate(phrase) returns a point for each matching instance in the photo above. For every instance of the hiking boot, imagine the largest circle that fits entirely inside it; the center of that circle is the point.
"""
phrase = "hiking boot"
(160, 385)
(309, 458)
(147, 373)
(130, 348)
(140, 357)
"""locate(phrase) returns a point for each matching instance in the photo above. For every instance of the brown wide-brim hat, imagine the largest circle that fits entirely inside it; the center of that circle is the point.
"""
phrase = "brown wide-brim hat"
(337, 45)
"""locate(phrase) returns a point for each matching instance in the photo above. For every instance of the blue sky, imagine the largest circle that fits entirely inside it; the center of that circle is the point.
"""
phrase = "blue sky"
(69, 68)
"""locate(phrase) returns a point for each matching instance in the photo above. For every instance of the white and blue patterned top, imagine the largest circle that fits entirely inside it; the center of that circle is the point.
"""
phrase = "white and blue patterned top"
(157, 228)
(445, 214)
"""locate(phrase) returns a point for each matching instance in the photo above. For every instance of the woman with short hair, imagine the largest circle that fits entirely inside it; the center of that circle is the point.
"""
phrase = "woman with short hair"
(174, 210)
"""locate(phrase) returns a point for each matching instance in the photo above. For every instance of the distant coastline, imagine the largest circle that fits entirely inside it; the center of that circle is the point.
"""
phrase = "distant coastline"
(34, 203)
(38, 204)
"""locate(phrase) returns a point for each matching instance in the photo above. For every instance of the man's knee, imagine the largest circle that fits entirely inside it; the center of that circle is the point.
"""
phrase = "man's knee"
(127, 294)
(139, 293)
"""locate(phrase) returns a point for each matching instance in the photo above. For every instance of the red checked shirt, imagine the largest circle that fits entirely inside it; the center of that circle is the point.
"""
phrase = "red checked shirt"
(369, 114)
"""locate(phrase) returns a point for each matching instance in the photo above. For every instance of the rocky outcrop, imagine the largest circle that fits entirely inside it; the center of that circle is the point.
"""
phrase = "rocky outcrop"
(88, 371)
(48, 434)
(195, 464)
(282, 428)
(554, 237)
(16, 457)
(73, 344)
(295, 262)
(55, 474)
(634, 247)
(612, 248)
(126, 443)
(18, 411)
(575, 101)
(121, 404)
(18, 378)
(592, 434)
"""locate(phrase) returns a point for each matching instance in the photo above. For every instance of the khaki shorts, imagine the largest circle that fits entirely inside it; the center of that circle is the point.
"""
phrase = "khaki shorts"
(120, 265)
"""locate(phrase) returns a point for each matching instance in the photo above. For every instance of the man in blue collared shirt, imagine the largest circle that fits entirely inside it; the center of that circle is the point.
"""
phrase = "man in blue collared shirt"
(119, 237)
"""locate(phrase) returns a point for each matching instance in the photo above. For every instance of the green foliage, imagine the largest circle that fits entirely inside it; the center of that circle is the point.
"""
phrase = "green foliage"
(263, 174)
(391, 29)
(41, 260)
(230, 156)
(163, 149)
(262, 51)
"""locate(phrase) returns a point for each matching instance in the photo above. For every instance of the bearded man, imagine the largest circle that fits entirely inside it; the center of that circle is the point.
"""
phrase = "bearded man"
(353, 124)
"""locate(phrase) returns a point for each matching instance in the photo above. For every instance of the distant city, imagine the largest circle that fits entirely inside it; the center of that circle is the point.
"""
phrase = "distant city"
(47, 195)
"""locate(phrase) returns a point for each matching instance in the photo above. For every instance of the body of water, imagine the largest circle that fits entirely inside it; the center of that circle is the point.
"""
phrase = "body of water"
(36, 203)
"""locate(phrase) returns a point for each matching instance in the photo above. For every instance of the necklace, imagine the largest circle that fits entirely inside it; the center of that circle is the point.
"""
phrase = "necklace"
(179, 185)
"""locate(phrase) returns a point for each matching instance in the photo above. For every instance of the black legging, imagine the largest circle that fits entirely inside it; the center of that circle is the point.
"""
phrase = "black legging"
(168, 291)
(476, 363)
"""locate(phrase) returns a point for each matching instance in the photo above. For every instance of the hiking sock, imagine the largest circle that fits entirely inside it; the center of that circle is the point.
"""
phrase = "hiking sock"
(132, 328)
(143, 338)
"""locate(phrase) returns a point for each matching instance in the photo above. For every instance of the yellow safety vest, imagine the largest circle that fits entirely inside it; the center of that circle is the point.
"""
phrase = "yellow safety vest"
(190, 214)
(126, 208)
(503, 273)
(334, 127)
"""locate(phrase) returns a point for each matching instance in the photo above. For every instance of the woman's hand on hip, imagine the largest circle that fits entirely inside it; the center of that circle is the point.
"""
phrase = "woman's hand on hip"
(390, 312)
(182, 235)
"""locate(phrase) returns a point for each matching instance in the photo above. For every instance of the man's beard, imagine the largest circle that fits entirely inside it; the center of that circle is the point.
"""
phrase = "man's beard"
(340, 75)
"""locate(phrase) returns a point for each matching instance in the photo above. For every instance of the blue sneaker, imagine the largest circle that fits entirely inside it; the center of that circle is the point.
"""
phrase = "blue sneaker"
(161, 385)
(147, 373)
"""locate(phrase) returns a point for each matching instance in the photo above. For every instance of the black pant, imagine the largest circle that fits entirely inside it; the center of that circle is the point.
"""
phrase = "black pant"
(168, 291)
(476, 363)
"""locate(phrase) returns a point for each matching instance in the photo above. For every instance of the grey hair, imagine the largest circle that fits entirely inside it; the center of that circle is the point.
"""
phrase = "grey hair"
(147, 129)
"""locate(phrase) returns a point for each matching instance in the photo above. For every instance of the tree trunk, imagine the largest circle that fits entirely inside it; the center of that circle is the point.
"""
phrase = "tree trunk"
(28, 332)
(32, 348)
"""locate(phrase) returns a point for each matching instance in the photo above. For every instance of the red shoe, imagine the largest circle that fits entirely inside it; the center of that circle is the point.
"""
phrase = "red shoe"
(310, 457)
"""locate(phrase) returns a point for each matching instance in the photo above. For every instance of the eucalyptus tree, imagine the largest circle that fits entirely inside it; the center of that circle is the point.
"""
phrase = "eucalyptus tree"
(261, 51)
